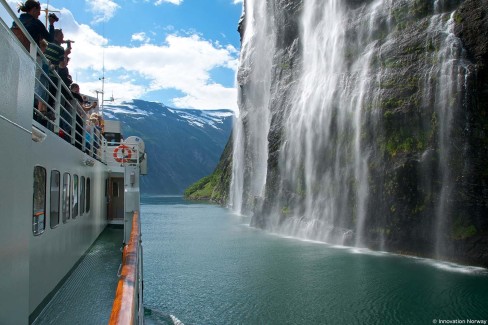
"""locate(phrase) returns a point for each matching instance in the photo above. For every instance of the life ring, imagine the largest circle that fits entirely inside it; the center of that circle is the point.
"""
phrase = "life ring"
(124, 158)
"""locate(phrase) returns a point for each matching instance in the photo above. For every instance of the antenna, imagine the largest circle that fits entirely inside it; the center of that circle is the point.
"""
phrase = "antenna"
(111, 99)
(47, 11)
(103, 72)
(103, 80)
(97, 92)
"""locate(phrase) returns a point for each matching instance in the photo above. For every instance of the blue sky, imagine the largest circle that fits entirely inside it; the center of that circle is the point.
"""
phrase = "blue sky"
(183, 53)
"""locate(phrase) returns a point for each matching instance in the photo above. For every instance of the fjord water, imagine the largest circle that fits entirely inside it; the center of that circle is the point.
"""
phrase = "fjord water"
(205, 265)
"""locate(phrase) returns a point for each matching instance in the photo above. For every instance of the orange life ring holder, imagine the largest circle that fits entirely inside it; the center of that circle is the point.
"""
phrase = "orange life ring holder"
(124, 158)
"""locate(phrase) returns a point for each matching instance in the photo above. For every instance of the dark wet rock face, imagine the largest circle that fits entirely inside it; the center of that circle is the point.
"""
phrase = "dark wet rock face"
(380, 140)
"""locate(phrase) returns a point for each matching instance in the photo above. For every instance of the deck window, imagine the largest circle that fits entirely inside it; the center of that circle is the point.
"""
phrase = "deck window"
(39, 201)
(54, 198)
(65, 197)
(113, 139)
(82, 195)
(88, 194)
(75, 192)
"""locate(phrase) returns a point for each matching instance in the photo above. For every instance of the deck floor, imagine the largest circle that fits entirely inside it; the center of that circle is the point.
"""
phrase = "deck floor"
(87, 295)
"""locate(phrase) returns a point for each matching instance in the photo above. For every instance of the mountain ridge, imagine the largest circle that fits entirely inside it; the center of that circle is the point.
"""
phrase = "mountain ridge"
(183, 145)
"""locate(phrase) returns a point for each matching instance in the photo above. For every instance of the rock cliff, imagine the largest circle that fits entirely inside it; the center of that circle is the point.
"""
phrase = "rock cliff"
(365, 123)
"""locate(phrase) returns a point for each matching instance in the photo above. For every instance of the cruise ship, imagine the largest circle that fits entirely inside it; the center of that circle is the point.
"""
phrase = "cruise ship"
(70, 240)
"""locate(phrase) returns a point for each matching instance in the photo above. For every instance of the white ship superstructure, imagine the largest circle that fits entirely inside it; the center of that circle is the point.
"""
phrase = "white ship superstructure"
(62, 184)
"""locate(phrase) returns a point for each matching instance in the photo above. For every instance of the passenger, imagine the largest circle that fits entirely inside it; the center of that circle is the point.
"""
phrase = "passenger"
(30, 19)
(86, 105)
(101, 124)
(55, 52)
(80, 113)
(92, 128)
(95, 118)
(63, 72)
(90, 107)
(43, 80)
(75, 93)
(99, 131)
(41, 90)
(67, 108)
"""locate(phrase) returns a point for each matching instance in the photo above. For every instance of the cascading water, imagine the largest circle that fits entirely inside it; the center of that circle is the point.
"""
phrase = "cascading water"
(448, 78)
(322, 153)
(367, 137)
(251, 127)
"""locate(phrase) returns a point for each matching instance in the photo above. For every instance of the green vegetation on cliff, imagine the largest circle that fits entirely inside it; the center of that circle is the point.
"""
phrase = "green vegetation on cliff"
(204, 189)
(214, 187)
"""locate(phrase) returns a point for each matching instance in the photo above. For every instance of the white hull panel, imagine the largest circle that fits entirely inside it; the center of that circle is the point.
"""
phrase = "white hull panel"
(53, 253)
(31, 265)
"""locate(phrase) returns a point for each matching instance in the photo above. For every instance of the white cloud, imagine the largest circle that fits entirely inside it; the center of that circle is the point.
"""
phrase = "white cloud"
(141, 37)
(209, 96)
(121, 91)
(237, 1)
(175, 2)
(103, 10)
(183, 63)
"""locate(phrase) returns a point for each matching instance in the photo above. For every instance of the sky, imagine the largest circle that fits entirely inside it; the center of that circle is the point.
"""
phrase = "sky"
(182, 53)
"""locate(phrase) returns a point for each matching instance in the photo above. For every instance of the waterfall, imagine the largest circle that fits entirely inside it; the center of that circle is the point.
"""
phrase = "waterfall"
(313, 159)
(325, 159)
(448, 78)
(366, 140)
(252, 126)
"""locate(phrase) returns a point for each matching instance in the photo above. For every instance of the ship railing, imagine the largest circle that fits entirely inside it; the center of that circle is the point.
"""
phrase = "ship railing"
(54, 108)
(62, 114)
(127, 307)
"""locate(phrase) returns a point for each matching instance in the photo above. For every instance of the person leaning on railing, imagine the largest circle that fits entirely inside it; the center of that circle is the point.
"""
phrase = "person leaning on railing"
(55, 53)
(97, 133)
(66, 107)
(77, 101)
(92, 127)
(30, 19)
(41, 88)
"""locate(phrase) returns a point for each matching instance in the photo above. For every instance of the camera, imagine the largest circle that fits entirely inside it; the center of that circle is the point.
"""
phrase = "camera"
(53, 16)
(68, 41)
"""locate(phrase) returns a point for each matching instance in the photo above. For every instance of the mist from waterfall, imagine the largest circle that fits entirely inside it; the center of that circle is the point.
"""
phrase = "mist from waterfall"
(333, 127)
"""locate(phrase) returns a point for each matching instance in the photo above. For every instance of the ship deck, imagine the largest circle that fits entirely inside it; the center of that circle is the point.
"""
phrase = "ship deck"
(86, 297)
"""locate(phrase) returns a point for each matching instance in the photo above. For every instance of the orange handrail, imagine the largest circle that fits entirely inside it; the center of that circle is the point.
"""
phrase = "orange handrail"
(124, 308)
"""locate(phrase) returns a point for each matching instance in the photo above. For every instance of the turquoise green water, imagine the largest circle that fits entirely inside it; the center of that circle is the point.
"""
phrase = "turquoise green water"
(204, 265)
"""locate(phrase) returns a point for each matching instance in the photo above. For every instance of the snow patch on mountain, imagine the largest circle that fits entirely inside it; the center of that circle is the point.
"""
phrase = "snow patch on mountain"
(140, 109)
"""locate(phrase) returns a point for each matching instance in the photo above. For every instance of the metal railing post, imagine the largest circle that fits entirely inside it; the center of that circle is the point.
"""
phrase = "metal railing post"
(57, 104)
(73, 122)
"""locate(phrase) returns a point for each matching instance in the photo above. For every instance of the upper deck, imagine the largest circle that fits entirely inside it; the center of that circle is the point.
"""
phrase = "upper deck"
(29, 76)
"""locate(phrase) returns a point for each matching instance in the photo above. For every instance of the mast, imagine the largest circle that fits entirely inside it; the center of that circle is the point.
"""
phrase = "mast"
(46, 13)
(103, 80)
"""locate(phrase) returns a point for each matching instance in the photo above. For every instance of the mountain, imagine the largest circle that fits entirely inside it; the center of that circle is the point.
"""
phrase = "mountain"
(183, 145)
